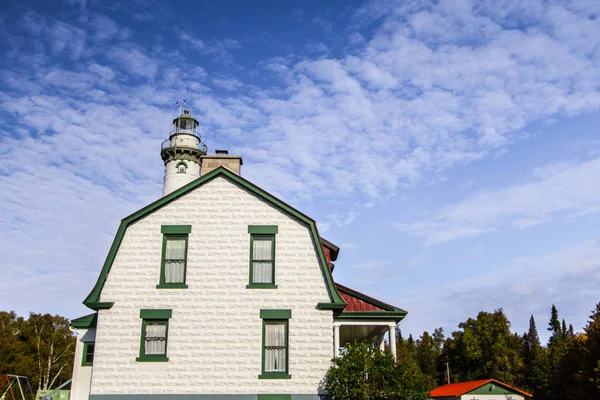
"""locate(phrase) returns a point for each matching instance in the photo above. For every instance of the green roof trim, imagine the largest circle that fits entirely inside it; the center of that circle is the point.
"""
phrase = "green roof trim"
(335, 250)
(85, 322)
(93, 299)
(106, 305)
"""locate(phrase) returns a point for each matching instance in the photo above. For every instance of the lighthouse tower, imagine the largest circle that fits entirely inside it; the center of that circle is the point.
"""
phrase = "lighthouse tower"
(182, 153)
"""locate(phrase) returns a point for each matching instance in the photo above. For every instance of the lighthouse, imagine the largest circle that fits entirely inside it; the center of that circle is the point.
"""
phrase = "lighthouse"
(182, 152)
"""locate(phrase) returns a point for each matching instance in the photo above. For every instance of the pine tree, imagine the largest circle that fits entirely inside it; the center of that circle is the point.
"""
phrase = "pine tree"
(592, 354)
(571, 333)
(554, 326)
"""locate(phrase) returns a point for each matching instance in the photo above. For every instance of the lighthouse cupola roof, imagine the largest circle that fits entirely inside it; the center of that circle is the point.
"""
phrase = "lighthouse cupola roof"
(185, 118)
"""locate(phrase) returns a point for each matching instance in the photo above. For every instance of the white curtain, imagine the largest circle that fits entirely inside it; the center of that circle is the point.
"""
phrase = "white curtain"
(175, 261)
(275, 347)
(156, 337)
(262, 263)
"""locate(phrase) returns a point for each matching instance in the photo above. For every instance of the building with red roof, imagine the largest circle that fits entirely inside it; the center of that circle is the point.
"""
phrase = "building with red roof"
(486, 389)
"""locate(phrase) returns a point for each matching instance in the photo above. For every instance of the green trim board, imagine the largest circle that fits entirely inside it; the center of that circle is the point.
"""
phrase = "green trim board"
(370, 315)
(274, 397)
(94, 297)
(156, 314)
(171, 286)
(261, 285)
(87, 358)
(275, 314)
(330, 306)
(100, 305)
(174, 232)
(175, 229)
(263, 229)
(85, 322)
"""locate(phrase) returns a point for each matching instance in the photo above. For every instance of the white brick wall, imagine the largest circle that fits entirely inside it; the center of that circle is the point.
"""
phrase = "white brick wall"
(215, 334)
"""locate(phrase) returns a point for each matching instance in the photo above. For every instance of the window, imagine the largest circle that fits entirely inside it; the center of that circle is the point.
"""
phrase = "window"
(262, 256)
(275, 346)
(174, 256)
(154, 336)
(88, 354)
(181, 168)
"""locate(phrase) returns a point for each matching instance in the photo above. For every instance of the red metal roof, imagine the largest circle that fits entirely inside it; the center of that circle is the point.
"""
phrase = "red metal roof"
(354, 303)
(458, 389)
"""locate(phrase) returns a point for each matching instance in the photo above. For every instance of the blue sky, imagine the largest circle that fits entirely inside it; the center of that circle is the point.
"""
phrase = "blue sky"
(450, 148)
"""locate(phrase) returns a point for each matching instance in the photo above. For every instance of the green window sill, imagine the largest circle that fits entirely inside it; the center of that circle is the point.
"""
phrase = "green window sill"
(152, 359)
(274, 375)
(172, 286)
(261, 286)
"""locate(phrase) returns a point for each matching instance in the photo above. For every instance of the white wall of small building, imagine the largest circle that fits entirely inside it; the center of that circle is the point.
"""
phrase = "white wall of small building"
(82, 375)
(215, 333)
(492, 397)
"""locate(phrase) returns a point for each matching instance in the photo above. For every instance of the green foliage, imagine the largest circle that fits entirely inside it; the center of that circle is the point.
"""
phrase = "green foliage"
(485, 348)
(40, 347)
(365, 373)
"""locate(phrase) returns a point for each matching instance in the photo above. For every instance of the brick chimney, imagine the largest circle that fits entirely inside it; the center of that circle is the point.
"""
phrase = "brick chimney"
(210, 162)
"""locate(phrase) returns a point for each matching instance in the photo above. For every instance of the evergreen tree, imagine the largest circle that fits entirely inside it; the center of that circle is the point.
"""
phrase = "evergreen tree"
(591, 375)
(571, 334)
(554, 326)
(535, 376)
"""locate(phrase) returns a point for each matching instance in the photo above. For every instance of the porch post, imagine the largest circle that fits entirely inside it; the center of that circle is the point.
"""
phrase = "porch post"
(392, 336)
(336, 340)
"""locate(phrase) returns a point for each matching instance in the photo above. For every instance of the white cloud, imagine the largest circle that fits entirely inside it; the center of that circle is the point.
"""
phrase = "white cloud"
(526, 286)
(558, 191)
(402, 107)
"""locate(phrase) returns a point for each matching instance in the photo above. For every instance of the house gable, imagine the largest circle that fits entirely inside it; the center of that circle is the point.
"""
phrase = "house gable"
(497, 388)
(93, 299)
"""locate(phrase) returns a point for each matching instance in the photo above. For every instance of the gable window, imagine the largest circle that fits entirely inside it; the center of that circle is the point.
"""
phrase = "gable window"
(262, 256)
(275, 346)
(155, 330)
(88, 354)
(174, 256)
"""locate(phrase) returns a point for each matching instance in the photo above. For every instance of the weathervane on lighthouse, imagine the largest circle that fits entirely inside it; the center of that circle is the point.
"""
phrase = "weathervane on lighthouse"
(182, 152)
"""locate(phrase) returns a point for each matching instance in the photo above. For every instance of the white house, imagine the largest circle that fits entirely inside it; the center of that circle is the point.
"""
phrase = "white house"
(218, 290)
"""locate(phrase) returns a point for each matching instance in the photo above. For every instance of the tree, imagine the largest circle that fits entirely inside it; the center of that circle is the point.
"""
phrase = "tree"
(41, 347)
(554, 326)
(365, 373)
(485, 348)
(591, 375)
(52, 345)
